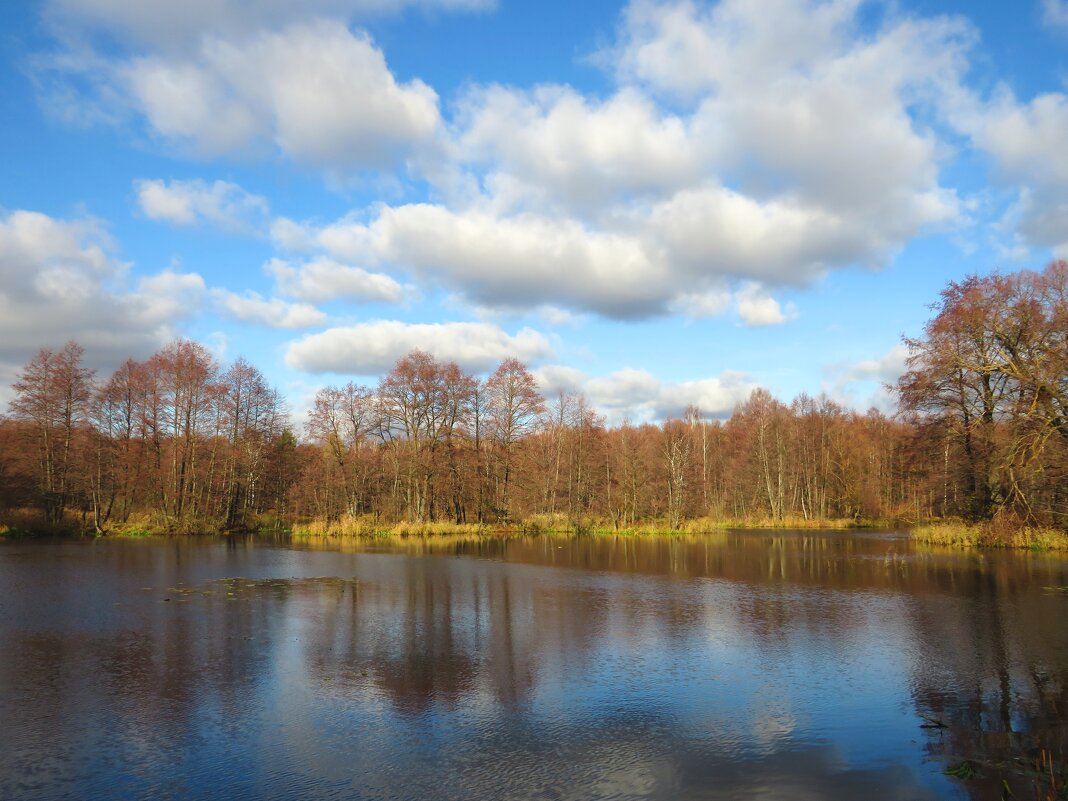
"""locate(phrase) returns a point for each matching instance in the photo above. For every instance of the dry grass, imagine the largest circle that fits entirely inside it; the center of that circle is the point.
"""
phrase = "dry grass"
(32, 522)
(138, 525)
(787, 522)
(547, 524)
(958, 534)
(29, 522)
(368, 528)
(704, 525)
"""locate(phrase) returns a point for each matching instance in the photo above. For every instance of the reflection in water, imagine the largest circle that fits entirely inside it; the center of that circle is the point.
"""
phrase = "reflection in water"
(734, 665)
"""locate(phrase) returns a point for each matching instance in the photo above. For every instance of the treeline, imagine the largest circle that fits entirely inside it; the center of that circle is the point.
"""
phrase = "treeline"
(431, 443)
(180, 443)
(174, 442)
(987, 389)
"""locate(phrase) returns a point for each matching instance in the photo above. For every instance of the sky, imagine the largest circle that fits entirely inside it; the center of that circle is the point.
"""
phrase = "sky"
(656, 203)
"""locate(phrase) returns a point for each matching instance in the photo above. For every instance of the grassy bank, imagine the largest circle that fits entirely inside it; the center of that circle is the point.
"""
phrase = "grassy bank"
(957, 534)
(23, 523)
(28, 523)
(31, 523)
(367, 528)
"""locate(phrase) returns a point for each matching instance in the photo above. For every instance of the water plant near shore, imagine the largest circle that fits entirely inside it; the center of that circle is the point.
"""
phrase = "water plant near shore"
(368, 528)
(958, 534)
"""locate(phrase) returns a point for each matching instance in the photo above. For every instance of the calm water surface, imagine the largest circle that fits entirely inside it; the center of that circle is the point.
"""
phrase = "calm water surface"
(734, 666)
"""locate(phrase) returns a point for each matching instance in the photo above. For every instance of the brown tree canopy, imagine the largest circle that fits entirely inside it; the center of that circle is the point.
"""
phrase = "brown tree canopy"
(181, 442)
(989, 380)
(52, 396)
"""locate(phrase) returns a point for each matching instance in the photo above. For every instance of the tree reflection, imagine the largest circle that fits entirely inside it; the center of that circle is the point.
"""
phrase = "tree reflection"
(720, 667)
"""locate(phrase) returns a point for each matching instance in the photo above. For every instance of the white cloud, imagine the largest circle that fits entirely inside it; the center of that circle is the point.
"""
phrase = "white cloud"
(688, 48)
(680, 258)
(794, 151)
(1025, 142)
(273, 313)
(715, 397)
(716, 232)
(757, 308)
(744, 142)
(167, 24)
(711, 303)
(790, 96)
(292, 235)
(324, 279)
(863, 384)
(552, 146)
(523, 261)
(168, 295)
(556, 378)
(192, 202)
(888, 367)
(59, 280)
(374, 347)
(317, 92)
(556, 317)
(639, 396)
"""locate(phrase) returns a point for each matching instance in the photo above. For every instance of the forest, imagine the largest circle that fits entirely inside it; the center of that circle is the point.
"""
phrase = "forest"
(178, 443)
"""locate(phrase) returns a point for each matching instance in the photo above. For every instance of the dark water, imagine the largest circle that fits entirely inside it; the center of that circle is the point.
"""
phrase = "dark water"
(748, 665)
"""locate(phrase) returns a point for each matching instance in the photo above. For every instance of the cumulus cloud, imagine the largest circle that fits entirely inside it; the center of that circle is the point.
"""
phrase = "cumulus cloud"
(558, 317)
(251, 307)
(60, 280)
(715, 232)
(168, 295)
(639, 396)
(528, 260)
(553, 146)
(863, 384)
(319, 92)
(523, 261)
(757, 308)
(792, 150)
(790, 95)
(196, 201)
(1025, 142)
(315, 92)
(374, 347)
(742, 142)
(711, 303)
(887, 368)
(324, 279)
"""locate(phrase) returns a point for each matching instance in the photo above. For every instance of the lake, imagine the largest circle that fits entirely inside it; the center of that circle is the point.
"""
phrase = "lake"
(772, 665)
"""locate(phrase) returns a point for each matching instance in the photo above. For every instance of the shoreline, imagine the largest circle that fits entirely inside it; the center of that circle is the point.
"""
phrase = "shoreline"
(948, 534)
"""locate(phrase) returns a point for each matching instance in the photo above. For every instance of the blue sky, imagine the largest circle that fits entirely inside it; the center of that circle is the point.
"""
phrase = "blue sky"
(655, 203)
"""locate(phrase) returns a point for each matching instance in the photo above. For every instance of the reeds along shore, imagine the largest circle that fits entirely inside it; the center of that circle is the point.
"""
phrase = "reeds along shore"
(990, 535)
(368, 528)
(952, 534)
(955, 534)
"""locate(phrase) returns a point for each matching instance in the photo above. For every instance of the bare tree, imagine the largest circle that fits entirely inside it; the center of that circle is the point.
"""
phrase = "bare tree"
(513, 406)
(52, 394)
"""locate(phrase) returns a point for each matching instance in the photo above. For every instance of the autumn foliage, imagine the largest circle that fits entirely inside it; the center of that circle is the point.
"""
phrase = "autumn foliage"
(988, 386)
(181, 443)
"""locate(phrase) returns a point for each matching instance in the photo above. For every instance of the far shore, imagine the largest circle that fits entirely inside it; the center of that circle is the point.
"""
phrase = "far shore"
(952, 534)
